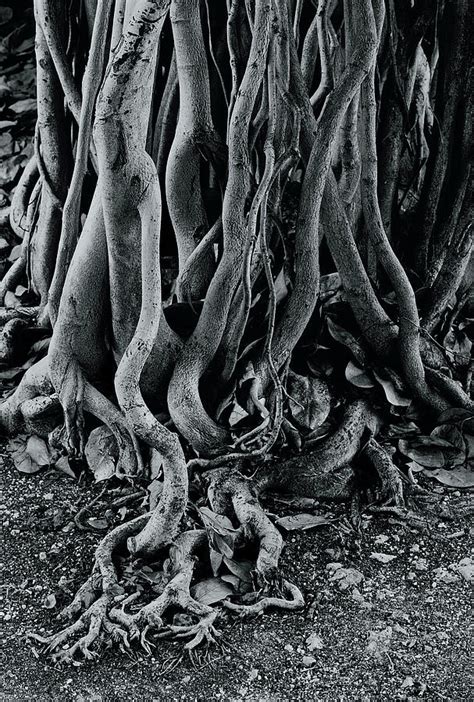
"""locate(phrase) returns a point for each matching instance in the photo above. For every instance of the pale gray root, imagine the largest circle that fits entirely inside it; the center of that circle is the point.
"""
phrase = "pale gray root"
(409, 322)
(49, 15)
(35, 407)
(388, 473)
(302, 300)
(164, 523)
(308, 53)
(195, 134)
(450, 388)
(121, 123)
(77, 353)
(374, 323)
(21, 197)
(349, 146)
(117, 24)
(53, 158)
(101, 587)
(166, 118)
(13, 275)
(326, 78)
(35, 382)
(176, 593)
(70, 224)
(19, 267)
(9, 338)
(184, 401)
(232, 493)
(450, 277)
(197, 259)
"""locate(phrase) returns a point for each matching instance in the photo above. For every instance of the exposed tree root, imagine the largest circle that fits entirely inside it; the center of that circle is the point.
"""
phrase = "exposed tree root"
(392, 486)
(219, 120)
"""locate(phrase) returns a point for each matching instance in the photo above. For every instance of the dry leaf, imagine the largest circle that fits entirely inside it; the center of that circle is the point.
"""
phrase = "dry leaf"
(358, 377)
(212, 590)
(301, 522)
(309, 400)
(101, 453)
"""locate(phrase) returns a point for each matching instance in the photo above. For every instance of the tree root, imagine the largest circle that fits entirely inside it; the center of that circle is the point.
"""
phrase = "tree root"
(226, 490)
(94, 619)
(392, 487)
(175, 593)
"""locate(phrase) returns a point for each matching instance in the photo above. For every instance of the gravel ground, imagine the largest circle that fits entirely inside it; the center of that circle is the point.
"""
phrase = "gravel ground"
(372, 630)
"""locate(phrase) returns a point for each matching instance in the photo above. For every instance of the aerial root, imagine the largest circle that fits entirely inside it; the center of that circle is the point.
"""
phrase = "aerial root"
(9, 338)
(176, 593)
(272, 589)
(95, 597)
(388, 473)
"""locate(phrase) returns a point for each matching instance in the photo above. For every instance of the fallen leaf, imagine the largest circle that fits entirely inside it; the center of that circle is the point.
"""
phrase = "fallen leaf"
(62, 464)
(379, 643)
(431, 451)
(345, 578)
(49, 602)
(217, 522)
(99, 524)
(391, 393)
(308, 661)
(211, 590)
(358, 377)
(237, 414)
(6, 14)
(23, 106)
(301, 522)
(309, 400)
(20, 456)
(39, 451)
(457, 477)
(101, 453)
(465, 568)
(241, 569)
(443, 575)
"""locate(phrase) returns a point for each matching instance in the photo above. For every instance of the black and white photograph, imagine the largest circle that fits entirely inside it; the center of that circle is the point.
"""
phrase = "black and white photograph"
(236, 368)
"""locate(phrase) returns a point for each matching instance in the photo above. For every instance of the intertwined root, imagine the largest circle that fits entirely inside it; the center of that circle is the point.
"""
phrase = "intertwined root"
(176, 593)
(271, 589)
(105, 617)
(104, 612)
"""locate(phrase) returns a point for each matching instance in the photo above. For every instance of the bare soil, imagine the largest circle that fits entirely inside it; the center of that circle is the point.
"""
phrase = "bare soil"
(400, 633)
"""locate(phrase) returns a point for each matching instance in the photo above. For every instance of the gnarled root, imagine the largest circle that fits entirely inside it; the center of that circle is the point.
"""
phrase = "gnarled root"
(94, 619)
(100, 617)
(391, 483)
(226, 490)
(176, 593)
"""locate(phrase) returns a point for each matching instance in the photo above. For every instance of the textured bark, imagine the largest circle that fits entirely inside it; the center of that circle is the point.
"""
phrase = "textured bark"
(196, 186)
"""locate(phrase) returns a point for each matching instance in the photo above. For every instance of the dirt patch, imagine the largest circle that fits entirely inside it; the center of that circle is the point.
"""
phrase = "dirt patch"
(374, 627)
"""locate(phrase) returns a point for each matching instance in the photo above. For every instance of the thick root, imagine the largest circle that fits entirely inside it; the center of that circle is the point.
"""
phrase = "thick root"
(388, 473)
(175, 594)
(227, 489)
(94, 618)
